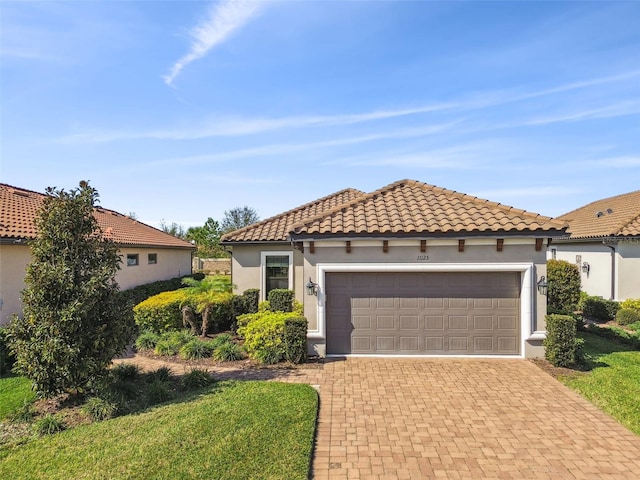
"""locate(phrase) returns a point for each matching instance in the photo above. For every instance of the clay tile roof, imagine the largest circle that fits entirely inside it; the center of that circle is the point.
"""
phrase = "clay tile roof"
(19, 207)
(609, 217)
(278, 228)
(408, 206)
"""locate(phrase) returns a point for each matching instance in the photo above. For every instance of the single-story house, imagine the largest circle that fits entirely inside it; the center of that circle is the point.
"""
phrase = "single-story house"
(603, 239)
(148, 254)
(410, 269)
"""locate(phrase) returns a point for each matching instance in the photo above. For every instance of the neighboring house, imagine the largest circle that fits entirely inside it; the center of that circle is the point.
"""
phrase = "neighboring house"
(410, 269)
(147, 254)
(604, 241)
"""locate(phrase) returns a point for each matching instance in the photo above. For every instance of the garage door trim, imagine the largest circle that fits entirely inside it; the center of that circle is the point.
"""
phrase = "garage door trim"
(527, 292)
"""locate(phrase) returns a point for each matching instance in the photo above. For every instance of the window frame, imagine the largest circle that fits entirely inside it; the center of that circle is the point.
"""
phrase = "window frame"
(155, 258)
(263, 269)
(135, 257)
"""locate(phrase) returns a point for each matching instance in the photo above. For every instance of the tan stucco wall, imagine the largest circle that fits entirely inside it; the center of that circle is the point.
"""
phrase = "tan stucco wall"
(246, 271)
(171, 263)
(598, 281)
(13, 265)
(15, 258)
(628, 284)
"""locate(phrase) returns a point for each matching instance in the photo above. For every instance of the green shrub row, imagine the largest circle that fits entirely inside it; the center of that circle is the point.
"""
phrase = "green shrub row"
(163, 312)
(272, 337)
(597, 308)
(618, 334)
(561, 345)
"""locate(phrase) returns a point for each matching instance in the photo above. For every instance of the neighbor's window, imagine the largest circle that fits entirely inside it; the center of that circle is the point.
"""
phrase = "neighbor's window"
(554, 253)
(153, 258)
(276, 271)
(132, 259)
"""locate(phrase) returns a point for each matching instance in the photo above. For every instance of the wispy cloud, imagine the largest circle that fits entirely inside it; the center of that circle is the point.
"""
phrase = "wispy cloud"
(238, 126)
(222, 20)
(630, 161)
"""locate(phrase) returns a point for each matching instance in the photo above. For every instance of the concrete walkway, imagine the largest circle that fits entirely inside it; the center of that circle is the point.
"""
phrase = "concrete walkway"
(453, 418)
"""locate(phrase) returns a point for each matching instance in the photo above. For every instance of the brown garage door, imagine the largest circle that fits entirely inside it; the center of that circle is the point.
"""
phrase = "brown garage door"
(461, 313)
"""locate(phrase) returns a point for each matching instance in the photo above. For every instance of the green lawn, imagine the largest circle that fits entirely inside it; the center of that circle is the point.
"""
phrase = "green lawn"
(613, 382)
(14, 391)
(235, 430)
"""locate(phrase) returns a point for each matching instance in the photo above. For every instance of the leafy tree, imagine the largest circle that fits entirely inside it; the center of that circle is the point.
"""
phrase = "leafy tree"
(207, 239)
(173, 229)
(238, 217)
(72, 325)
(564, 286)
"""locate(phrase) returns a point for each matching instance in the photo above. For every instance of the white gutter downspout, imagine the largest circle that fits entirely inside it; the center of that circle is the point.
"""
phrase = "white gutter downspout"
(612, 246)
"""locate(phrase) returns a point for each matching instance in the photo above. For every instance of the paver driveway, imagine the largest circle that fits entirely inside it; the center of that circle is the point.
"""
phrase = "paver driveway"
(457, 418)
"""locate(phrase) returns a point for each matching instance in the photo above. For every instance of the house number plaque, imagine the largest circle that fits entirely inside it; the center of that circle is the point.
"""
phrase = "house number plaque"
(423, 258)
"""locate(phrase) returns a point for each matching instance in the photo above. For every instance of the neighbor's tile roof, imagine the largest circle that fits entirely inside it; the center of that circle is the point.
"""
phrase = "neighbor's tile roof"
(406, 206)
(609, 217)
(278, 228)
(19, 207)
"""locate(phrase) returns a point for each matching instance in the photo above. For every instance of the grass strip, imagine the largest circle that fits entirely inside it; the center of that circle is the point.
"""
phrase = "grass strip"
(237, 430)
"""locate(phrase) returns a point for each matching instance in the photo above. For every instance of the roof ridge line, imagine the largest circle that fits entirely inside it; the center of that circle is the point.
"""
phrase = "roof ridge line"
(293, 210)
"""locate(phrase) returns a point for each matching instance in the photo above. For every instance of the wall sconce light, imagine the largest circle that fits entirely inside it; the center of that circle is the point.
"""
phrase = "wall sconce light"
(586, 267)
(312, 288)
(543, 286)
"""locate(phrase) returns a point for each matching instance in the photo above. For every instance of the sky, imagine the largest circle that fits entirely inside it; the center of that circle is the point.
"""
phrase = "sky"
(179, 111)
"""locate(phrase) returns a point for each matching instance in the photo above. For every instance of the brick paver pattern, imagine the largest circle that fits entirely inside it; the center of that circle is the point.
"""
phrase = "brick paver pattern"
(452, 418)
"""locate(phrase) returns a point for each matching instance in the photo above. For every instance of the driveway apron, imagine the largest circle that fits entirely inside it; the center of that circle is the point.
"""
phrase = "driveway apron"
(456, 418)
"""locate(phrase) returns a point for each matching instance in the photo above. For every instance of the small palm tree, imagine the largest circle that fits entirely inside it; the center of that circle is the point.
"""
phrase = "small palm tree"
(209, 292)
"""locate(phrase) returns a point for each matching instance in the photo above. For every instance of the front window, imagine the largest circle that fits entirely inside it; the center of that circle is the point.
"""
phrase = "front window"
(132, 259)
(277, 271)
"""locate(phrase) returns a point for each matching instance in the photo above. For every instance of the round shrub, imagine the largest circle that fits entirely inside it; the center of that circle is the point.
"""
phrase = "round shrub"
(228, 352)
(99, 409)
(564, 286)
(49, 424)
(196, 378)
(126, 371)
(627, 316)
(147, 340)
(196, 349)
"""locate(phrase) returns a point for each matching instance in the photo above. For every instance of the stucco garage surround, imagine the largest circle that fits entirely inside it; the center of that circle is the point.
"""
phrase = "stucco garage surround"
(416, 309)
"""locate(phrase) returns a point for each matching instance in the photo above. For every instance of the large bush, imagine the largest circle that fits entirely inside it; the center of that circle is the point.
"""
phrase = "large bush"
(162, 312)
(265, 335)
(627, 316)
(72, 324)
(561, 345)
(564, 286)
(597, 308)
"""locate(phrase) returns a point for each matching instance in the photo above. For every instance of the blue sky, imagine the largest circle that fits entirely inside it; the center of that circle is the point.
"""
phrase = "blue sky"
(182, 110)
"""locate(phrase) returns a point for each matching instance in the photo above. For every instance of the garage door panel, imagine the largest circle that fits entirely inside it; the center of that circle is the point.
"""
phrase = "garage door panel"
(409, 322)
(385, 313)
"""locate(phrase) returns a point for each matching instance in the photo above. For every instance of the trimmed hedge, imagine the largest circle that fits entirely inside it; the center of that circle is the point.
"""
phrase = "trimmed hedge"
(627, 316)
(597, 308)
(564, 286)
(161, 313)
(264, 335)
(295, 339)
(280, 300)
(245, 303)
(561, 345)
